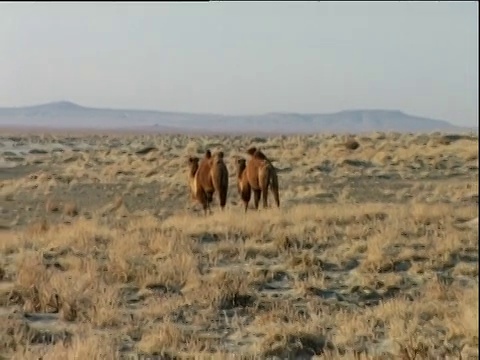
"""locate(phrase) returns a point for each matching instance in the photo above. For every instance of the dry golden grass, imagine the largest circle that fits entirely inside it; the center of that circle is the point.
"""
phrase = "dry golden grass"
(373, 252)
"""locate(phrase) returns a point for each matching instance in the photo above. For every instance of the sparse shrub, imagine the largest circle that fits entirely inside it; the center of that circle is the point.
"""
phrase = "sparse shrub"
(70, 209)
(352, 144)
(51, 206)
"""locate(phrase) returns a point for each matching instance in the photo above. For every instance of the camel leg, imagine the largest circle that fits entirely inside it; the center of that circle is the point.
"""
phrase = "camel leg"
(265, 198)
(209, 196)
(264, 180)
(256, 197)
(222, 194)
(246, 200)
(203, 199)
(207, 208)
(246, 195)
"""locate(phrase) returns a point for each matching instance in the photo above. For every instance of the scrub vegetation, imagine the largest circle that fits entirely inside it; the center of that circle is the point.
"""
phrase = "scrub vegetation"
(373, 252)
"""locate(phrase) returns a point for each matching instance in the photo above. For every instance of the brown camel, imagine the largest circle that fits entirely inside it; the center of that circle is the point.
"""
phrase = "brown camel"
(261, 176)
(243, 186)
(207, 177)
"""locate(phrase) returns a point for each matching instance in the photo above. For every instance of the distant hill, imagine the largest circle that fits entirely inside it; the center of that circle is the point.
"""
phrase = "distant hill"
(68, 115)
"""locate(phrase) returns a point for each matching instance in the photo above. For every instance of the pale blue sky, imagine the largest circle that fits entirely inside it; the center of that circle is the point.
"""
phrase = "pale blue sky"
(244, 58)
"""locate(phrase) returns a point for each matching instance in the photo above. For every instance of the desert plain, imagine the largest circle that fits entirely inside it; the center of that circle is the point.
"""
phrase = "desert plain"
(372, 254)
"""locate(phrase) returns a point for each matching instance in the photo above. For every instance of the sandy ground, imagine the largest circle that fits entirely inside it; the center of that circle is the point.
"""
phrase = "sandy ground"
(103, 255)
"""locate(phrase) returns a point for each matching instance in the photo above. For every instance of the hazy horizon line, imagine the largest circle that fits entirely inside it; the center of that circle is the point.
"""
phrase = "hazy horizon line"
(219, 113)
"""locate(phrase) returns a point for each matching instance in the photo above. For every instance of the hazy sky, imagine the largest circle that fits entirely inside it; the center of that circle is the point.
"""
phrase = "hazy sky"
(243, 58)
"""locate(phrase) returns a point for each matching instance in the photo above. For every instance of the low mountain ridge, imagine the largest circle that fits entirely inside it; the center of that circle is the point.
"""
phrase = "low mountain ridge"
(68, 115)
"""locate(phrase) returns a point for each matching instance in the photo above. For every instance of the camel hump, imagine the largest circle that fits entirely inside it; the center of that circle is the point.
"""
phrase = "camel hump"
(193, 159)
(251, 151)
(208, 154)
(259, 155)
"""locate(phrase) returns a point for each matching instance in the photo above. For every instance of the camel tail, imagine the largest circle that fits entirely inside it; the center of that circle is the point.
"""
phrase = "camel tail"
(220, 183)
(274, 187)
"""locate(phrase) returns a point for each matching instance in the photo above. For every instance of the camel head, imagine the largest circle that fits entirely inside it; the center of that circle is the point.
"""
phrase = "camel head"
(208, 154)
(241, 165)
(217, 157)
(259, 155)
(193, 164)
(256, 153)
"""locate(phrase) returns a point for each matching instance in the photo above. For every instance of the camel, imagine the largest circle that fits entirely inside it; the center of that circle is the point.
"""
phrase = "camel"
(243, 186)
(208, 176)
(260, 174)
